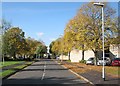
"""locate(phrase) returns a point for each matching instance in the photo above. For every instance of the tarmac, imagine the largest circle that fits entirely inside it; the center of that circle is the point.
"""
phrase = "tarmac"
(49, 72)
(44, 72)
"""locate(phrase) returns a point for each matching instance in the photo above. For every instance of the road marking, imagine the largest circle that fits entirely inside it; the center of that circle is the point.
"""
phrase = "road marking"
(44, 72)
(43, 76)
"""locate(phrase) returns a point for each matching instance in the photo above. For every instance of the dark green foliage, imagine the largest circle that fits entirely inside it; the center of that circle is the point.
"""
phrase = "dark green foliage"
(83, 61)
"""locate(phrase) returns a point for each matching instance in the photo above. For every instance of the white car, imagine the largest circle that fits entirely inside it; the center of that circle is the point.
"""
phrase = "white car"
(57, 57)
(90, 61)
(107, 61)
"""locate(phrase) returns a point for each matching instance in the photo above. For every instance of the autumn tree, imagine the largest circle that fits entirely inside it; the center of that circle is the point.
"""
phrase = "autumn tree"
(56, 46)
(68, 39)
(50, 48)
(4, 26)
(75, 33)
(41, 50)
(116, 36)
(86, 28)
(13, 39)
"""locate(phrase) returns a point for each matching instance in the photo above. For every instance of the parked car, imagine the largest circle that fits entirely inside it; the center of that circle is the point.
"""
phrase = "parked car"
(90, 61)
(116, 62)
(57, 57)
(107, 61)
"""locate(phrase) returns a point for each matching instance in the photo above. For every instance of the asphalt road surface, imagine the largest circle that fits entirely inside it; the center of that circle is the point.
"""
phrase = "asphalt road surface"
(44, 72)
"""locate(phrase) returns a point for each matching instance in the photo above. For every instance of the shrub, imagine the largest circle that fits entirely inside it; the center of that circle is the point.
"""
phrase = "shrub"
(68, 60)
(83, 61)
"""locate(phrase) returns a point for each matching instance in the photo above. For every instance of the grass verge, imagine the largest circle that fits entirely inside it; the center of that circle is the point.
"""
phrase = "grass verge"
(83, 68)
(20, 67)
(9, 72)
(113, 70)
(8, 63)
(5, 73)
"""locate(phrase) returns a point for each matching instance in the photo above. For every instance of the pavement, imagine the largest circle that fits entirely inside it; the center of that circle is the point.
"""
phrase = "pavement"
(44, 72)
(96, 77)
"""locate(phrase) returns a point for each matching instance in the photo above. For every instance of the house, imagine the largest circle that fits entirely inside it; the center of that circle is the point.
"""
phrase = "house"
(76, 55)
(63, 57)
(114, 51)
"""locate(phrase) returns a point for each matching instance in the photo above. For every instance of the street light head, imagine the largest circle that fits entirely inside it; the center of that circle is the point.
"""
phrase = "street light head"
(98, 4)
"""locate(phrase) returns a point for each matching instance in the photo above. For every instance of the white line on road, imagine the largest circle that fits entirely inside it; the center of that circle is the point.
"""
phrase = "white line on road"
(43, 76)
(44, 72)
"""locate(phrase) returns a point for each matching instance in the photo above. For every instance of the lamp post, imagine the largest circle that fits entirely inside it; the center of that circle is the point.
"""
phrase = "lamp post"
(103, 69)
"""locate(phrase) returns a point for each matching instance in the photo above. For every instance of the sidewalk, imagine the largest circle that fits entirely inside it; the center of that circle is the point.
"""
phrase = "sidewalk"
(96, 77)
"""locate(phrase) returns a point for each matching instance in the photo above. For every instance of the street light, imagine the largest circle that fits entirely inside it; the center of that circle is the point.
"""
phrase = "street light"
(103, 69)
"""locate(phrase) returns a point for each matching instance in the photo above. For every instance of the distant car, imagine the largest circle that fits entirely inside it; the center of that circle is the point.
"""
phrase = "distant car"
(57, 57)
(90, 61)
(107, 61)
(116, 62)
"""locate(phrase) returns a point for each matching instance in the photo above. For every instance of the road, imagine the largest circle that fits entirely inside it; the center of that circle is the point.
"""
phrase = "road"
(44, 72)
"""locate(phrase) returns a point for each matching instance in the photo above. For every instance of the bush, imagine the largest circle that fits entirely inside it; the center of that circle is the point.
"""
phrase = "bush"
(83, 61)
(68, 60)
(8, 59)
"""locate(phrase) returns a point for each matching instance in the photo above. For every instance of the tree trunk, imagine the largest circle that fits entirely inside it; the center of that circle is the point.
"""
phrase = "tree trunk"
(14, 55)
(3, 58)
(68, 55)
(96, 57)
(82, 54)
(24, 56)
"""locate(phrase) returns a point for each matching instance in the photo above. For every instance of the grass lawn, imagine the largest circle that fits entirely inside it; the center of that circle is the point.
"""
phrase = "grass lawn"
(113, 70)
(83, 68)
(22, 66)
(8, 63)
(5, 73)
(28, 63)
(68, 60)
(10, 71)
